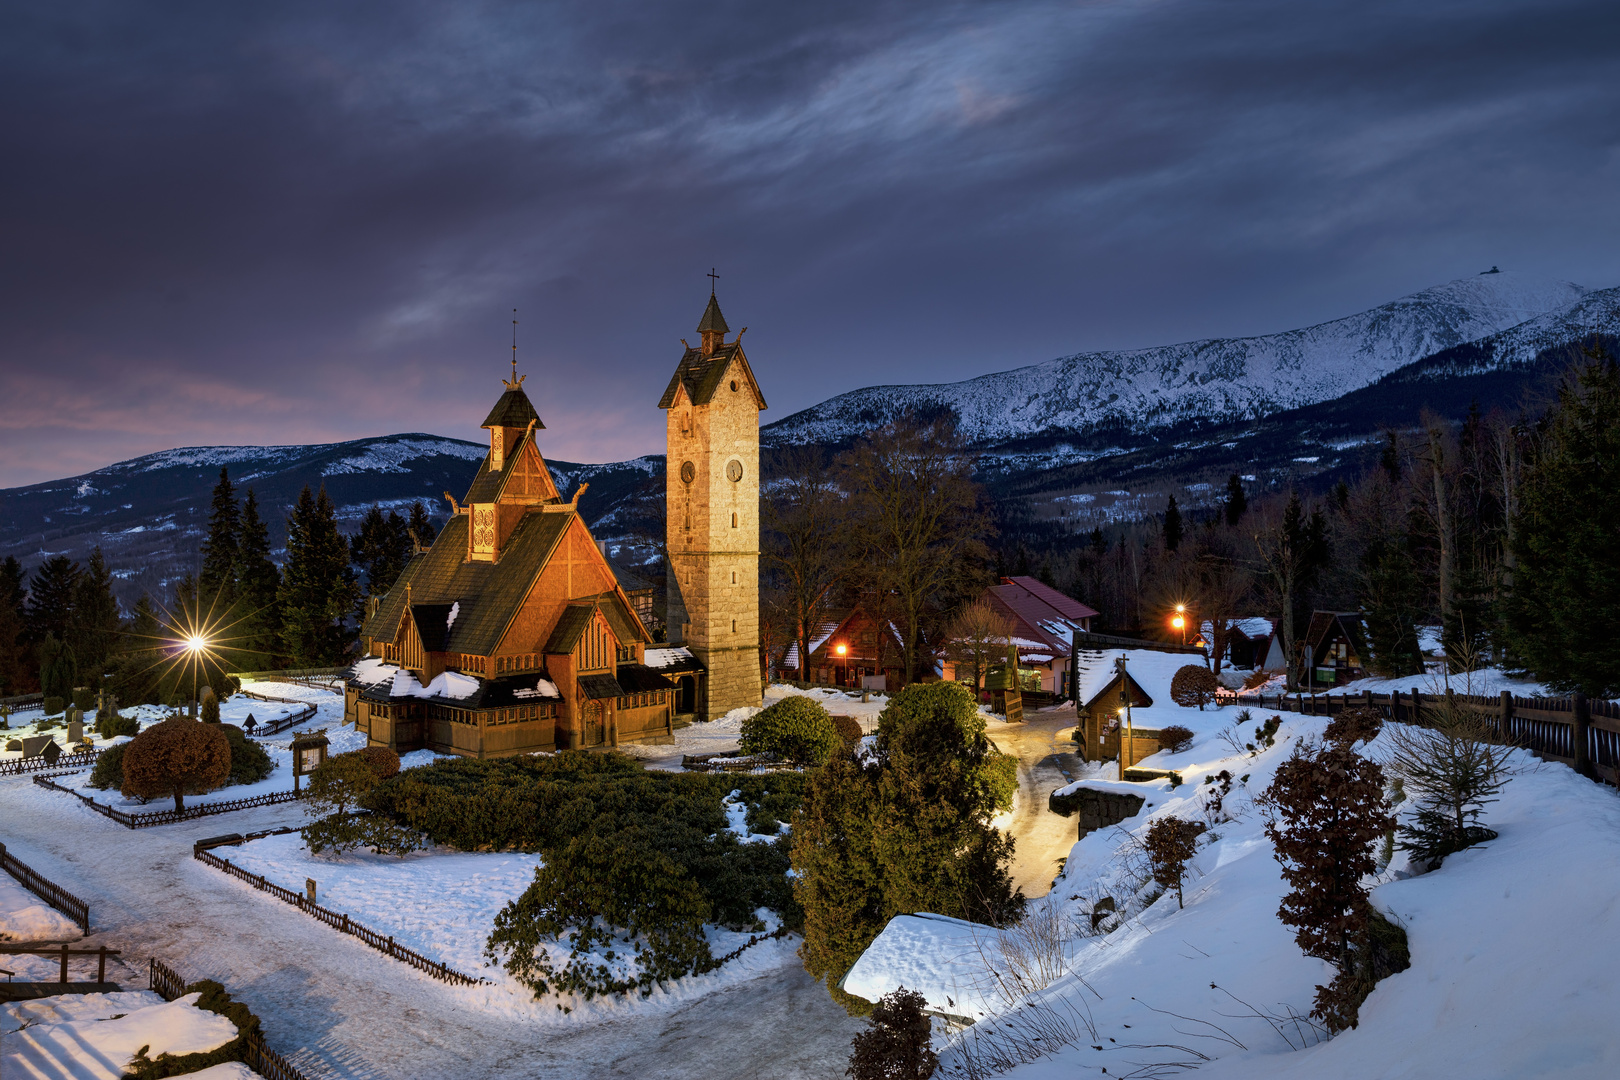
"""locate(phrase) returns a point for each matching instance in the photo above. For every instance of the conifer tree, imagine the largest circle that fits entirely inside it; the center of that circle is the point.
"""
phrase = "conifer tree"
(381, 549)
(318, 591)
(1566, 585)
(422, 525)
(1172, 525)
(59, 670)
(1236, 501)
(17, 667)
(218, 578)
(258, 581)
(138, 668)
(96, 623)
(50, 598)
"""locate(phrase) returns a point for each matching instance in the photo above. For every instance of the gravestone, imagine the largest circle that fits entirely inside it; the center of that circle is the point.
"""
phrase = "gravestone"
(75, 731)
(35, 745)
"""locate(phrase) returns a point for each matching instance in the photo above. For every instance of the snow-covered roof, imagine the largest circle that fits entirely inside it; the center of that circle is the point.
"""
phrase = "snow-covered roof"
(446, 684)
(669, 657)
(1151, 670)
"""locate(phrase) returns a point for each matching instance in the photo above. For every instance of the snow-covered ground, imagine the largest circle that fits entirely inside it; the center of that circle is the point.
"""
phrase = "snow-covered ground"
(25, 917)
(1488, 682)
(94, 1036)
(1513, 945)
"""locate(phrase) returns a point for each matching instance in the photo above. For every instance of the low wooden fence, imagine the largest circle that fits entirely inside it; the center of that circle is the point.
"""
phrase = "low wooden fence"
(276, 727)
(78, 760)
(46, 889)
(168, 985)
(340, 922)
(167, 817)
(1578, 732)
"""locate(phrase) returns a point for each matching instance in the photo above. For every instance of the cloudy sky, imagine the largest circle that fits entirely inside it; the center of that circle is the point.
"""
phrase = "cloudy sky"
(305, 222)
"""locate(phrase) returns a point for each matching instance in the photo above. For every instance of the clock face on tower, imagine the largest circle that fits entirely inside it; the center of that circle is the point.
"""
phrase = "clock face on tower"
(688, 471)
(734, 470)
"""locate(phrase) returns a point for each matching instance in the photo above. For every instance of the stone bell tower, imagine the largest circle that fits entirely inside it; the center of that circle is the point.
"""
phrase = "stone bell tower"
(711, 482)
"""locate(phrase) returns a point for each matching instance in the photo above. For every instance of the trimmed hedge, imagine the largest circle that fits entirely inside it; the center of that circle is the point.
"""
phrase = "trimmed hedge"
(54, 705)
(109, 770)
(848, 728)
(214, 999)
(109, 725)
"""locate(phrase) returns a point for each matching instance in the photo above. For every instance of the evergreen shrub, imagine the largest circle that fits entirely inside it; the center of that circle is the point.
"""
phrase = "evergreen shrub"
(208, 710)
(897, 1044)
(383, 761)
(588, 813)
(794, 729)
(1193, 685)
(109, 725)
(109, 769)
(848, 728)
(249, 762)
(54, 706)
(335, 799)
(84, 699)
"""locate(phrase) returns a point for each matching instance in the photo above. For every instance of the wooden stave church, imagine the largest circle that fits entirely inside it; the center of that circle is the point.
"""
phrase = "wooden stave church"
(535, 603)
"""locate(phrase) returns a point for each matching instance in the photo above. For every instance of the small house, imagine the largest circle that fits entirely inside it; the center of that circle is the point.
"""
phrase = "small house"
(1334, 650)
(854, 648)
(1044, 622)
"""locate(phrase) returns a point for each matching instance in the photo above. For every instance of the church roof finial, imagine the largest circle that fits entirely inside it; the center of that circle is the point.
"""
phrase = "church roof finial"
(515, 382)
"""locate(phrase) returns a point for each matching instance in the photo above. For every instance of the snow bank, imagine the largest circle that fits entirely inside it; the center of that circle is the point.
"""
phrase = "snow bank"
(99, 1048)
(25, 917)
(1514, 944)
(943, 959)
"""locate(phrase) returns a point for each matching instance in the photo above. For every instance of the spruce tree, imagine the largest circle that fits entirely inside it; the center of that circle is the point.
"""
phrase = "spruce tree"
(381, 549)
(1566, 586)
(59, 670)
(422, 525)
(96, 624)
(1236, 501)
(50, 598)
(222, 549)
(17, 666)
(258, 582)
(1172, 525)
(318, 591)
(138, 668)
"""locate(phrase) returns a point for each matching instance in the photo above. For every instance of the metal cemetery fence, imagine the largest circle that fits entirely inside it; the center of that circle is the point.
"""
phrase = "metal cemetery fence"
(1580, 733)
(168, 985)
(46, 889)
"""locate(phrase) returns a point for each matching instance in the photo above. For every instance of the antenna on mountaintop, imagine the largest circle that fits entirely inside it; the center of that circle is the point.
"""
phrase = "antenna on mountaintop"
(713, 277)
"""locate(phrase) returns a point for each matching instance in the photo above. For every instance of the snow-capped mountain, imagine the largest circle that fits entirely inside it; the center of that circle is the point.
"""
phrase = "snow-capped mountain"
(1215, 381)
(149, 514)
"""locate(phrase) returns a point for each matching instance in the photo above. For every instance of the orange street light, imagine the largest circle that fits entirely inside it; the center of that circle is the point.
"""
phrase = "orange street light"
(841, 649)
(1180, 623)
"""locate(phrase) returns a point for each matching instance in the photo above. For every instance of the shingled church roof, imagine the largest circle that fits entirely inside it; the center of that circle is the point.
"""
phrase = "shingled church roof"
(513, 410)
(712, 319)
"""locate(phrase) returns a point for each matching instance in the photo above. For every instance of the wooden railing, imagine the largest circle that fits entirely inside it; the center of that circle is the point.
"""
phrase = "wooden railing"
(1578, 732)
(46, 889)
(77, 760)
(167, 817)
(340, 922)
(276, 727)
(168, 985)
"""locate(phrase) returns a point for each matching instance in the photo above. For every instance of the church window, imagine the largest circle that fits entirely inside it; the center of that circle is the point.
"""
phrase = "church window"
(733, 386)
(483, 529)
(733, 521)
(733, 626)
(734, 577)
(496, 449)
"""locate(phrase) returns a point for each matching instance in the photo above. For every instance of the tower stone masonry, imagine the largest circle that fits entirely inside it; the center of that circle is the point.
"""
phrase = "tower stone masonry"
(712, 411)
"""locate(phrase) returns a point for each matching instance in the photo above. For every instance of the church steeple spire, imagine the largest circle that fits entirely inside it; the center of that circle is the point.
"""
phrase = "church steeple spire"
(713, 326)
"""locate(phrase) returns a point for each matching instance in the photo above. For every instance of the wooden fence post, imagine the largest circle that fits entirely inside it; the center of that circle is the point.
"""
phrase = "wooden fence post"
(1451, 704)
(1582, 725)
(1415, 713)
(1504, 716)
(64, 962)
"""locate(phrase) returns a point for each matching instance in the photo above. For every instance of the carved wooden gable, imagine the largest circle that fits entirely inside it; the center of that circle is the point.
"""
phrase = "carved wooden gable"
(529, 481)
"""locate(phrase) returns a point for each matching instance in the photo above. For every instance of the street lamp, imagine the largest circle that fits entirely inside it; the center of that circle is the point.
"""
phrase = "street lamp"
(195, 644)
(1180, 621)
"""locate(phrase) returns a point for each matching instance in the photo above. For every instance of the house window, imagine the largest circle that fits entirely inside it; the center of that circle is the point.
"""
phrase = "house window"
(733, 521)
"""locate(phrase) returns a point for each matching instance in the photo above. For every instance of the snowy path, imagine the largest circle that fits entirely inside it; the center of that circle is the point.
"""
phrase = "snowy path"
(340, 1009)
(1044, 746)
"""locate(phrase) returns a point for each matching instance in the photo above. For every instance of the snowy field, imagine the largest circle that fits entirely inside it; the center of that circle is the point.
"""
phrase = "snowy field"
(1514, 944)
(1486, 681)
(93, 1036)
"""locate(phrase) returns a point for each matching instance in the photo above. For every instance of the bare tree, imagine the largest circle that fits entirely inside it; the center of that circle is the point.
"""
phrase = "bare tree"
(919, 521)
(1291, 548)
(978, 638)
(804, 514)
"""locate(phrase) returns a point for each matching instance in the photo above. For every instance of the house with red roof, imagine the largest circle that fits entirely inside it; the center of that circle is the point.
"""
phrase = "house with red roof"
(1044, 622)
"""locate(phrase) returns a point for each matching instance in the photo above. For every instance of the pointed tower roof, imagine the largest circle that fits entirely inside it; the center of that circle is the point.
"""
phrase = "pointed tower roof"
(514, 410)
(713, 321)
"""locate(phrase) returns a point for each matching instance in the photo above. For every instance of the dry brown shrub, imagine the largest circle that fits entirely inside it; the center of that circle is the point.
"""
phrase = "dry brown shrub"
(1193, 685)
(176, 757)
(848, 728)
(383, 761)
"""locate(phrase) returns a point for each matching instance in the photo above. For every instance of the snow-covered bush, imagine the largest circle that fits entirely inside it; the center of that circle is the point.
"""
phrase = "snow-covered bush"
(794, 729)
(214, 999)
